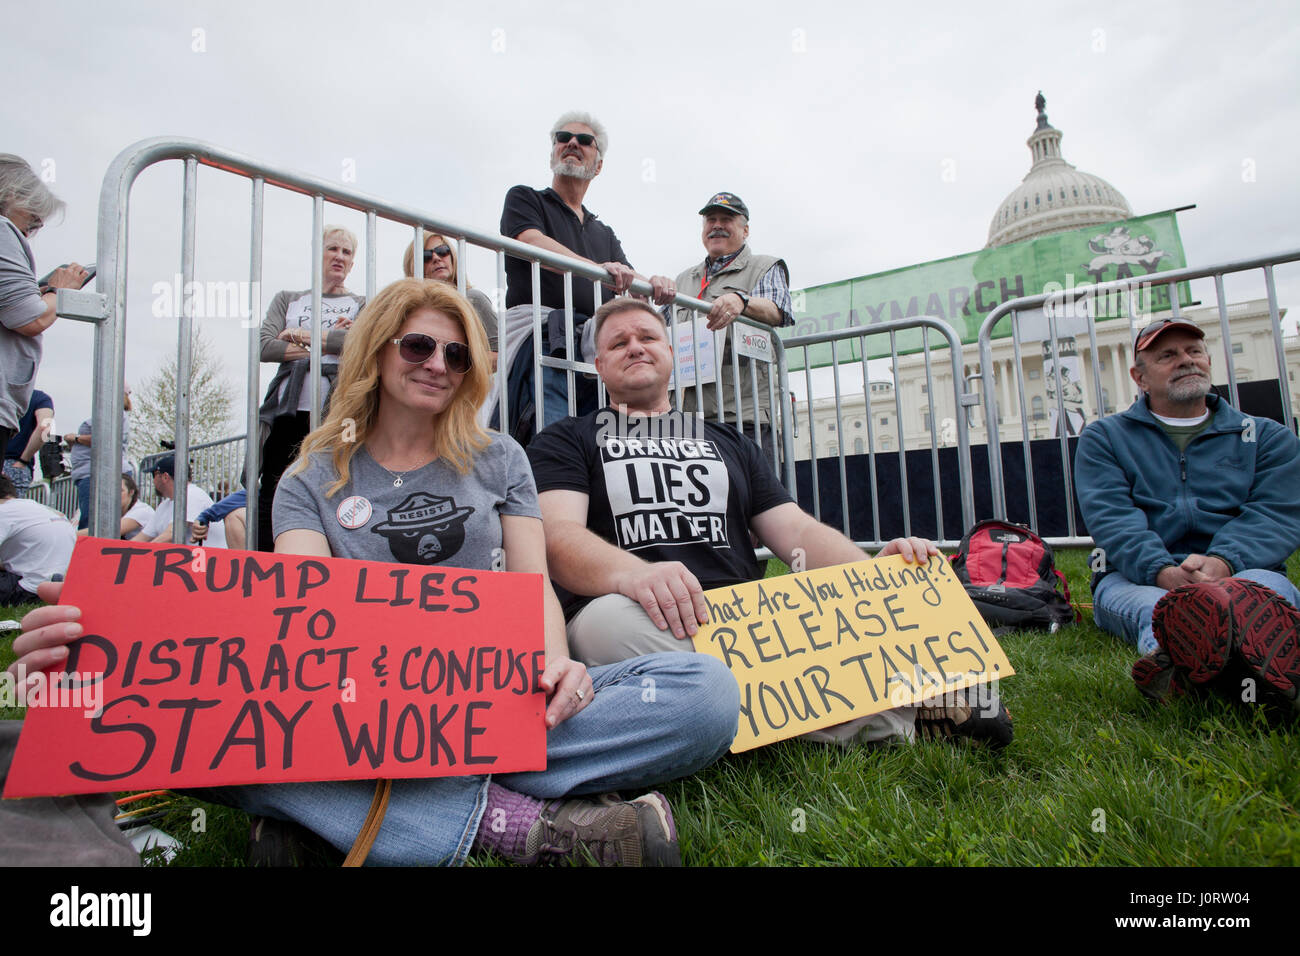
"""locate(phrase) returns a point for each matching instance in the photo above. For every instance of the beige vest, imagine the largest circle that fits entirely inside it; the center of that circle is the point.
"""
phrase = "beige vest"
(742, 273)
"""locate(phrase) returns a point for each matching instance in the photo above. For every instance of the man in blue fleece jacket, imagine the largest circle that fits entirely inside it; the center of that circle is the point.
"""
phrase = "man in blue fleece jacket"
(1182, 489)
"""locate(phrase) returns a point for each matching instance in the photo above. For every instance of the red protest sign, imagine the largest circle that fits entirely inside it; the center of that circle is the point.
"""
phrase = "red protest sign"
(212, 667)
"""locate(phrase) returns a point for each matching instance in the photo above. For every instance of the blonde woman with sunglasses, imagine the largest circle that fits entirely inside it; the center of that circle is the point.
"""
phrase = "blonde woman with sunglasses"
(401, 471)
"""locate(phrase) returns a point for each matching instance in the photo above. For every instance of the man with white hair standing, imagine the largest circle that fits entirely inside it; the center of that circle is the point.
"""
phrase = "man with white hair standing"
(556, 220)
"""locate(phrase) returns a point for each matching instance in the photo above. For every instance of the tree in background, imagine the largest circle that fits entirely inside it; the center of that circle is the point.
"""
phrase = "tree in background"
(211, 405)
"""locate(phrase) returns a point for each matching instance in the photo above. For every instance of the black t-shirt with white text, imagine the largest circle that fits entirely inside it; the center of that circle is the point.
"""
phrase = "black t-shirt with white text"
(669, 487)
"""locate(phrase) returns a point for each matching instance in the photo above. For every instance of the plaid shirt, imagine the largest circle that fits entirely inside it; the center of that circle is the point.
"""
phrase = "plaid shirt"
(774, 285)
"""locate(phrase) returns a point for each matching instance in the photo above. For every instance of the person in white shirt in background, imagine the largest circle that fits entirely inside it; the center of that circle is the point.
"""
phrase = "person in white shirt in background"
(35, 545)
(159, 527)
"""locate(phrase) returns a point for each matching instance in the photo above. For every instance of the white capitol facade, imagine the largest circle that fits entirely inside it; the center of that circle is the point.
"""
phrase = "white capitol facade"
(1054, 197)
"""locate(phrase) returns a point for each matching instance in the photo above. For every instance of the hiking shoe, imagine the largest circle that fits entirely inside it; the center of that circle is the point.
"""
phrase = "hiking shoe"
(959, 715)
(280, 843)
(637, 832)
(1266, 633)
(1193, 624)
(1156, 677)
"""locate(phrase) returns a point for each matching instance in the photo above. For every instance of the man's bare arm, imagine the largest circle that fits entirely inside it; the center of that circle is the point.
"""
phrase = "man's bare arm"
(39, 434)
(535, 237)
(765, 310)
(728, 306)
(623, 274)
(584, 563)
(789, 530)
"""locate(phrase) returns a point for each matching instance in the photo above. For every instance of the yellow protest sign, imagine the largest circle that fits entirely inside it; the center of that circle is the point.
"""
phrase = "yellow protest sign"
(818, 648)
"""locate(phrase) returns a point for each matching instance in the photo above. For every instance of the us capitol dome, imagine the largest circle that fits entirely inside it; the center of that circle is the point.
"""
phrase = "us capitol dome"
(1054, 196)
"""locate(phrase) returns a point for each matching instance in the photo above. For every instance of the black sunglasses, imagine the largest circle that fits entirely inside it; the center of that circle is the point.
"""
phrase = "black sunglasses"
(417, 348)
(563, 136)
(442, 252)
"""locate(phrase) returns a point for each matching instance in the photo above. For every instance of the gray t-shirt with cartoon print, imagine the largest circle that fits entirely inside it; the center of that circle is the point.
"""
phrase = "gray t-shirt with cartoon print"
(436, 515)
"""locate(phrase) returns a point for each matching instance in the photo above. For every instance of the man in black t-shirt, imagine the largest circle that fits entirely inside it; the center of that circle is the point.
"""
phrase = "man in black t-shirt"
(645, 508)
(555, 219)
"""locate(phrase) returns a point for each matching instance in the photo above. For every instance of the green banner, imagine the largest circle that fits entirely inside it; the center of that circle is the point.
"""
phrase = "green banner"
(963, 290)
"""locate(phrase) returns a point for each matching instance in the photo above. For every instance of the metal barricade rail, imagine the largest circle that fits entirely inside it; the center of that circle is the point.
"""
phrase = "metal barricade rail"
(961, 401)
(106, 308)
(59, 494)
(1074, 302)
(215, 466)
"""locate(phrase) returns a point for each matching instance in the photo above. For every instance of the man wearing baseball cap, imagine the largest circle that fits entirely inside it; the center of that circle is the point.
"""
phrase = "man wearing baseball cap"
(159, 527)
(1194, 508)
(738, 282)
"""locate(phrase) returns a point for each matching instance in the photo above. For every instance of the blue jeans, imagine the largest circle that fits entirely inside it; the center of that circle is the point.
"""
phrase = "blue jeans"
(83, 501)
(652, 719)
(1123, 608)
(19, 474)
(555, 393)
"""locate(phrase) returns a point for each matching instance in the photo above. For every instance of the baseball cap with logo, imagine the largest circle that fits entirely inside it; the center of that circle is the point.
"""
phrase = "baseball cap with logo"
(1146, 338)
(729, 202)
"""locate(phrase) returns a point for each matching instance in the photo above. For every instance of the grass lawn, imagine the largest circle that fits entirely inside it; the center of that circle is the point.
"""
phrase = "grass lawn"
(1096, 776)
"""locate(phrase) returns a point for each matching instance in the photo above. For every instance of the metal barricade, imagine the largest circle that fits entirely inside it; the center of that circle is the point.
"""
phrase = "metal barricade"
(743, 369)
(960, 401)
(59, 494)
(1076, 304)
(215, 466)
(106, 308)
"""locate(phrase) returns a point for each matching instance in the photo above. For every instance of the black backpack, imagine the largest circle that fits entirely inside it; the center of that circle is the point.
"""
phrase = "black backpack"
(1010, 574)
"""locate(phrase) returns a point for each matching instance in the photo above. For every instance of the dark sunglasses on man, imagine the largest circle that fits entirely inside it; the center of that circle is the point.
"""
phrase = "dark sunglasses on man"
(417, 348)
(584, 139)
(442, 252)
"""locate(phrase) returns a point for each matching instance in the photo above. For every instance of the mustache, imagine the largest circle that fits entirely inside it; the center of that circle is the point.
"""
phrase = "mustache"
(720, 233)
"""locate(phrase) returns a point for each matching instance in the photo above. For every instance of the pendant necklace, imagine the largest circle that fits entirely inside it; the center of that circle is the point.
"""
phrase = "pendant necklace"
(398, 476)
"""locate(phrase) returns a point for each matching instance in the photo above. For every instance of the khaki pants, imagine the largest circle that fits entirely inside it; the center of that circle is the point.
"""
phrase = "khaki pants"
(613, 628)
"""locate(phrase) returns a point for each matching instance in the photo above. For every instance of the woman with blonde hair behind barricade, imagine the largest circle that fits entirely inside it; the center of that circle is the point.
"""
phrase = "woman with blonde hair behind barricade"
(401, 471)
(440, 263)
(285, 416)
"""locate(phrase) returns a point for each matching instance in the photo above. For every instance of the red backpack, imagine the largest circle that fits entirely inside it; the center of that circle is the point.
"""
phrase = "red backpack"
(1009, 573)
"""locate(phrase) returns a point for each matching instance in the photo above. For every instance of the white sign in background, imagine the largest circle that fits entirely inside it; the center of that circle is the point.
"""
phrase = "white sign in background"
(751, 343)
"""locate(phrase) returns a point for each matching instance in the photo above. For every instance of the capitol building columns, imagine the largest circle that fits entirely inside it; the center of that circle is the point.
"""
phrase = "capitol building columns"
(1054, 197)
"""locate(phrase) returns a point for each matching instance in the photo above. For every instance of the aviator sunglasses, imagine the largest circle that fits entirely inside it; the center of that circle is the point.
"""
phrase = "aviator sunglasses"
(442, 252)
(417, 348)
(584, 139)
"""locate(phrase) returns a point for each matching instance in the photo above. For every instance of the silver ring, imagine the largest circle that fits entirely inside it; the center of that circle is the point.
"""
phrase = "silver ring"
(580, 695)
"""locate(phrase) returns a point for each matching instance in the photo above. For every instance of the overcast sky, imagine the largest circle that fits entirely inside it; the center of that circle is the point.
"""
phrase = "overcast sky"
(835, 123)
